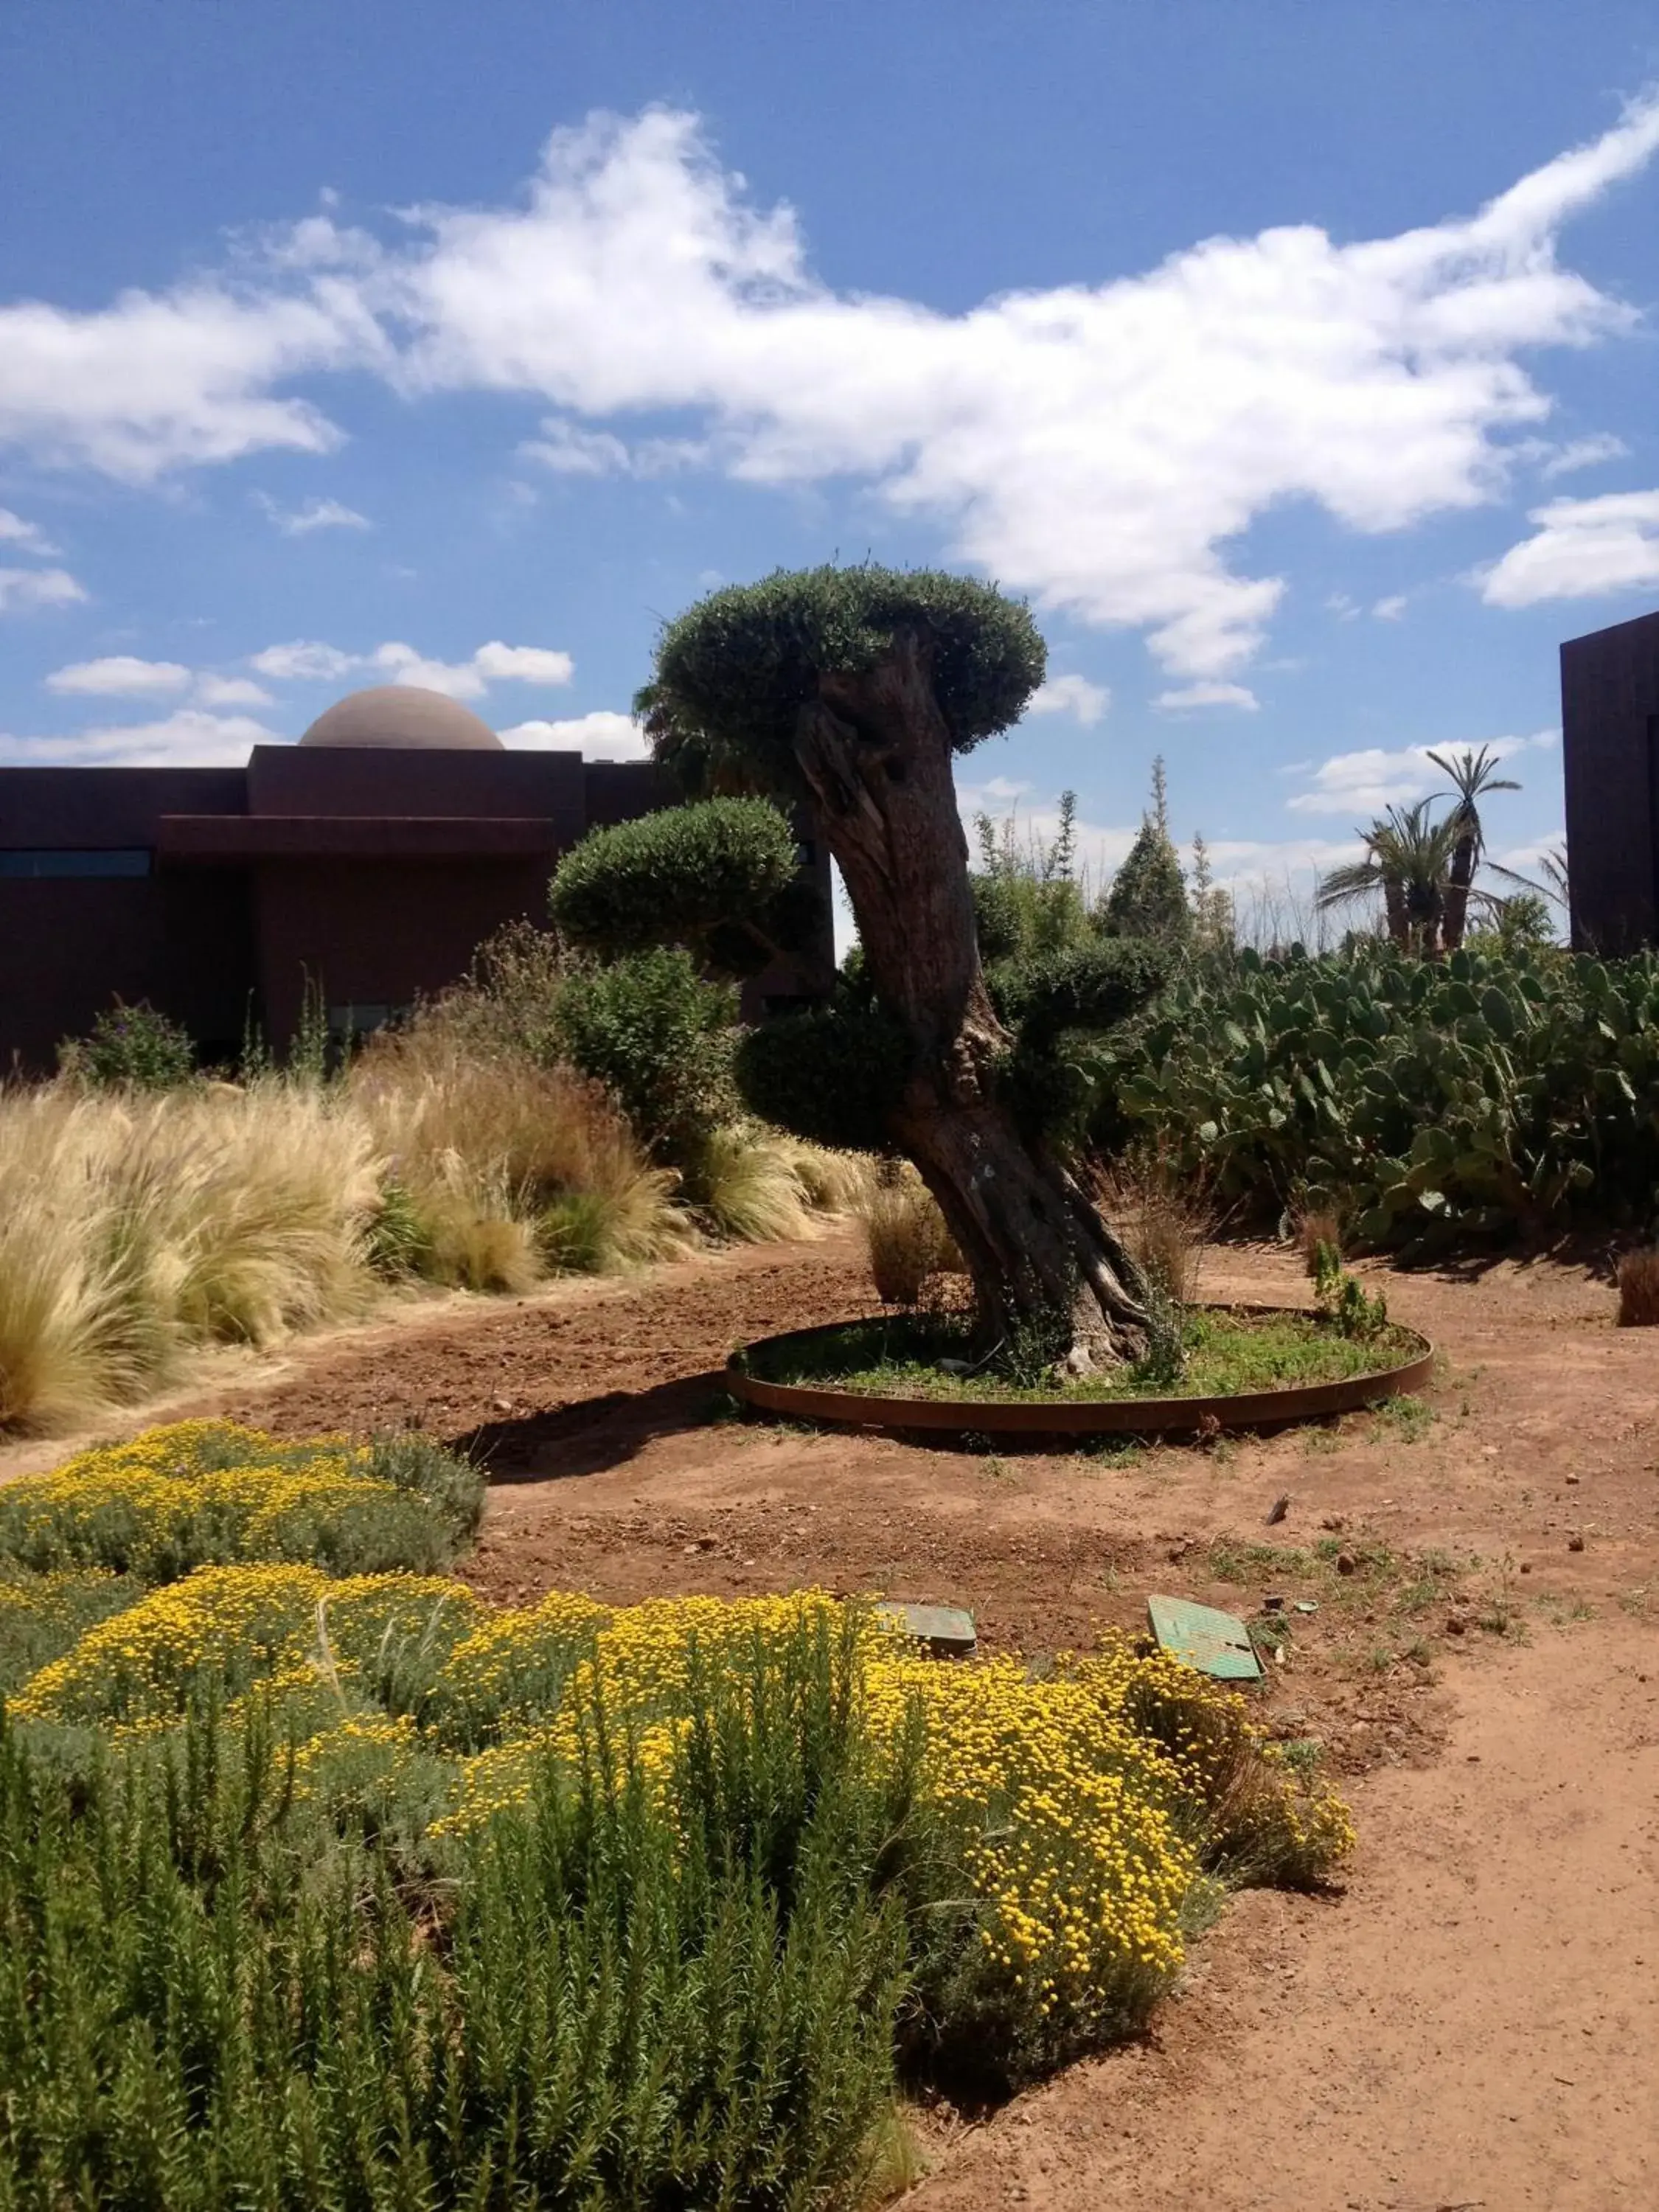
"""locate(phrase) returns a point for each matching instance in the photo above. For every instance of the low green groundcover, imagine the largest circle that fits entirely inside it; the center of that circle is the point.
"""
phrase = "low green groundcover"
(1229, 1352)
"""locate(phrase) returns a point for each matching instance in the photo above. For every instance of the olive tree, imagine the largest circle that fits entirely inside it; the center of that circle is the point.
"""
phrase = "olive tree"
(855, 688)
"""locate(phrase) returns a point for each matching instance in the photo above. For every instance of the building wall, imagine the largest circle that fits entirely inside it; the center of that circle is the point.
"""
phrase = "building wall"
(69, 945)
(373, 935)
(218, 932)
(1610, 746)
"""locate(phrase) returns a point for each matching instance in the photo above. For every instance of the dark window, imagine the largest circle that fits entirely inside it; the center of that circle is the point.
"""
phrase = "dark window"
(805, 852)
(132, 860)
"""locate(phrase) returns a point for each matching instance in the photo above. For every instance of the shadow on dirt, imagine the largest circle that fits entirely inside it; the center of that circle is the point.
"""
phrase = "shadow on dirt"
(591, 1434)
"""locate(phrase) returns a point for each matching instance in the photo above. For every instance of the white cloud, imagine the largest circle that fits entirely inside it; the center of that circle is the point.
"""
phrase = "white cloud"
(187, 738)
(1391, 609)
(1207, 695)
(22, 590)
(1584, 453)
(26, 537)
(571, 452)
(1583, 547)
(313, 515)
(1070, 695)
(1103, 447)
(1367, 782)
(603, 735)
(522, 663)
(158, 382)
(305, 660)
(120, 676)
(231, 691)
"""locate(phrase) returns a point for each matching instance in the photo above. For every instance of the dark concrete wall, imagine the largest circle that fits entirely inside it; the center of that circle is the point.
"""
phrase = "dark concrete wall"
(68, 946)
(1610, 747)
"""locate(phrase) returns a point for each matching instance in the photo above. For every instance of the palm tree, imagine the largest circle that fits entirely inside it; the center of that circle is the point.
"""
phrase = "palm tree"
(1472, 776)
(1409, 859)
(1552, 877)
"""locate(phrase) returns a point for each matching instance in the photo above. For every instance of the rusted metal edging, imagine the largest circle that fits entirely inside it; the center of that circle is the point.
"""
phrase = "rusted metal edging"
(1134, 1417)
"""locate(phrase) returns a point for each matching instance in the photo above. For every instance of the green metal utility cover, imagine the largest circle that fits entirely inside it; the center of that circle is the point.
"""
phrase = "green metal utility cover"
(946, 1630)
(1217, 1644)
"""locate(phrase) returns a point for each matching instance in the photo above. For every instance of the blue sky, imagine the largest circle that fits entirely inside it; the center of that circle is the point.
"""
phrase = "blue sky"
(1298, 362)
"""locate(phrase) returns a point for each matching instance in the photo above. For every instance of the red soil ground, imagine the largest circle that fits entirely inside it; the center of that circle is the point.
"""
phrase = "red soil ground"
(1474, 2020)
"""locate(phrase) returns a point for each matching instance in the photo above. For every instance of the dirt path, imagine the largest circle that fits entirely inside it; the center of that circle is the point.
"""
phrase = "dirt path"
(1475, 2021)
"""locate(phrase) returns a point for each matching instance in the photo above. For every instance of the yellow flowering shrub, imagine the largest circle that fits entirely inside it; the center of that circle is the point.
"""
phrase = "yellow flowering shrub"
(224, 1629)
(201, 1492)
(512, 1665)
(227, 1627)
(1050, 1834)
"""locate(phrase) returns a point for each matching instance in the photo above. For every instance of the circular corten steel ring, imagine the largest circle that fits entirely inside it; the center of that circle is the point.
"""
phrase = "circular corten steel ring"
(1097, 1417)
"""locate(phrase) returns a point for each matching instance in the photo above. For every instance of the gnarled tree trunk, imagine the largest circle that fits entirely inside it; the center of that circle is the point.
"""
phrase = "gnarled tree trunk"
(875, 750)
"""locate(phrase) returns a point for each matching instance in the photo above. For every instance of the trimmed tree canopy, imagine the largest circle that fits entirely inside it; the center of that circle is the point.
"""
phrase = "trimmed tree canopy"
(734, 671)
(719, 877)
(835, 1074)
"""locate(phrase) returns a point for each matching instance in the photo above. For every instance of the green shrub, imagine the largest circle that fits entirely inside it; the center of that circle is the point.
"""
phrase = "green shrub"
(1343, 1299)
(660, 1037)
(131, 1048)
(638, 1999)
(830, 1074)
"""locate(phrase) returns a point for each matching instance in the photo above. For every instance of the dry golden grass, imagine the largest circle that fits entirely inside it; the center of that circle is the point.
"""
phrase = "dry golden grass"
(499, 1157)
(746, 1184)
(1165, 1223)
(1323, 1225)
(134, 1227)
(905, 1237)
(830, 1181)
(1638, 1288)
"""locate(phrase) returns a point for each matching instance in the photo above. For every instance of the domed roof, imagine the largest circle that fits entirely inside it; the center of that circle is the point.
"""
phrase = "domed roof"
(404, 715)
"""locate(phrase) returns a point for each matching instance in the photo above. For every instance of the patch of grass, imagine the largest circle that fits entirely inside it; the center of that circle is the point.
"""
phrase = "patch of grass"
(1403, 1420)
(1228, 1353)
(1233, 1561)
(1116, 1451)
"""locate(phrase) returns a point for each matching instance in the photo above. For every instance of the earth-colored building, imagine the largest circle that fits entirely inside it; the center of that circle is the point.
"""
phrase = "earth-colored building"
(367, 862)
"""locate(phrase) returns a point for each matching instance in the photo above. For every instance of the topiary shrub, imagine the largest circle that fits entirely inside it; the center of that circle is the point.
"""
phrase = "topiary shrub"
(718, 878)
(832, 1074)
